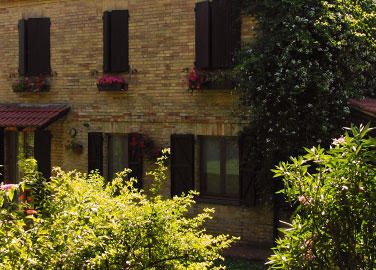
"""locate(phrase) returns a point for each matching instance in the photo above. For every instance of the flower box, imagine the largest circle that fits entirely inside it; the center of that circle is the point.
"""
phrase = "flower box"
(44, 88)
(218, 85)
(115, 86)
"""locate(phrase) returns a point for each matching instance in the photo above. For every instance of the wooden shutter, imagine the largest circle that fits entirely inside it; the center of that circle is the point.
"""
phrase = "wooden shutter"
(42, 152)
(95, 152)
(106, 41)
(135, 160)
(38, 46)
(182, 163)
(115, 41)
(225, 32)
(203, 44)
(247, 171)
(22, 49)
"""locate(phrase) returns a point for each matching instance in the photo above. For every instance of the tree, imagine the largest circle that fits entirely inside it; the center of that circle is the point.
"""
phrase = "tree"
(308, 58)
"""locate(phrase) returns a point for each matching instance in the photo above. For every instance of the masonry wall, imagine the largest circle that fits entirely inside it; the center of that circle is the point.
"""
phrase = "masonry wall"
(161, 45)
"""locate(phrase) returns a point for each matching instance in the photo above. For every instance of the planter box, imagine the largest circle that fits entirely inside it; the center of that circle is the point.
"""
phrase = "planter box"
(77, 148)
(218, 85)
(113, 87)
(44, 88)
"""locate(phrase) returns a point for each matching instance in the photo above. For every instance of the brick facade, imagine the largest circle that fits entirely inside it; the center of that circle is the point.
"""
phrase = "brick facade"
(161, 45)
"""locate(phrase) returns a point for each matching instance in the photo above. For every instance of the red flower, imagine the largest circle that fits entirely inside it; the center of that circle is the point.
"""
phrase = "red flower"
(22, 197)
(29, 199)
(142, 144)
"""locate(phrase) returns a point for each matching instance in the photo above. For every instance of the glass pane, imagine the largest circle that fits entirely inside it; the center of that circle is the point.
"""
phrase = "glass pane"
(232, 166)
(211, 162)
(118, 154)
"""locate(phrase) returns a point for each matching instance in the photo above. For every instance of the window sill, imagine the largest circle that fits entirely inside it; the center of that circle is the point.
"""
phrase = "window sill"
(218, 200)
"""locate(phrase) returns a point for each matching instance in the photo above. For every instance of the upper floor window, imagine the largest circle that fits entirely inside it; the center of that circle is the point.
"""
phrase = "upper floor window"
(34, 46)
(115, 41)
(217, 33)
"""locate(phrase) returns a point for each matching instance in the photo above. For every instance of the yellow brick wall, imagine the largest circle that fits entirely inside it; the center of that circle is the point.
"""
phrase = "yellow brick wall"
(161, 45)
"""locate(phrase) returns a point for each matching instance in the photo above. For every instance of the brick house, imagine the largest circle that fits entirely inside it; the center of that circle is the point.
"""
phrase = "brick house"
(148, 43)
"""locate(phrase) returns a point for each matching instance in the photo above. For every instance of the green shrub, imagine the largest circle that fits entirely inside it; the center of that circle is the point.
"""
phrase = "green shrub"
(334, 225)
(84, 223)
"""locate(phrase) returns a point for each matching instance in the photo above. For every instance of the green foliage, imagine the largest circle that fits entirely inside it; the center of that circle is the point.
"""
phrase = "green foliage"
(83, 223)
(308, 58)
(334, 225)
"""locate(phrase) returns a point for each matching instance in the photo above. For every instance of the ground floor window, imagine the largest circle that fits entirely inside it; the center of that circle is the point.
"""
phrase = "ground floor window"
(117, 154)
(219, 166)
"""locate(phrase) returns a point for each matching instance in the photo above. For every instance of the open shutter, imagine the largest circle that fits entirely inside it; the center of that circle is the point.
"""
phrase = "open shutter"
(42, 152)
(203, 17)
(182, 163)
(247, 171)
(135, 160)
(225, 32)
(106, 41)
(119, 41)
(95, 152)
(38, 46)
(22, 49)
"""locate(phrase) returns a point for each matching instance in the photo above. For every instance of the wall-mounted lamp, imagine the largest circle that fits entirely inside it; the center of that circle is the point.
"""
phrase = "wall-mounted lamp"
(73, 132)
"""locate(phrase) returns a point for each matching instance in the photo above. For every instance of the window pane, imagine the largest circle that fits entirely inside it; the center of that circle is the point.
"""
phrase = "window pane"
(211, 163)
(232, 166)
(117, 154)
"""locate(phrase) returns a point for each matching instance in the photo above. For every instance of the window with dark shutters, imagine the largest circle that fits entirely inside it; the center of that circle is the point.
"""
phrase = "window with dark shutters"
(2, 155)
(95, 152)
(42, 152)
(34, 46)
(217, 33)
(115, 41)
(247, 171)
(182, 163)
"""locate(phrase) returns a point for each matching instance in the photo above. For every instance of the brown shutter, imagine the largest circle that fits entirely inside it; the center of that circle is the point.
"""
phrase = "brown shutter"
(135, 160)
(247, 171)
(95, 152)
(225, 32)
(106, 41)
(42, 151)
(22, 49)
(203, 44)
(182, 163)
(38, 46)
(119, 41)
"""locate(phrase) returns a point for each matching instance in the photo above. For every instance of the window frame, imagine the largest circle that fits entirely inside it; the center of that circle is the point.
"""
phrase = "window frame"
(222, 196)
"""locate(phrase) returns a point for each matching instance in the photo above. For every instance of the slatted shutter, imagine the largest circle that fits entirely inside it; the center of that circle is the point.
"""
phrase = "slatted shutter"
(22, 48)
(182, 163)
(247, 171)
(203, 44)
(115, 41)
(42, 152)
(95, 152)
(135, 160)
(38, 46)
(225, 32)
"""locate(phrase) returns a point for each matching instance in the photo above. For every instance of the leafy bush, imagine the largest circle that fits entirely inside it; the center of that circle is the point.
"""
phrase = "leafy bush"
(334, 225)
(81, 222)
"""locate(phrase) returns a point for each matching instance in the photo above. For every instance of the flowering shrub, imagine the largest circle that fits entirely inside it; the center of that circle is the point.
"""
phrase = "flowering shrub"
(333, 191)
(85, 222)
(72, 145)
(143, 144)
(296, 76)
(110, 80)
(30, 84)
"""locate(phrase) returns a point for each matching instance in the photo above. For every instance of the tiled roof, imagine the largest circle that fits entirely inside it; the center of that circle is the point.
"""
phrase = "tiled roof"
(31, 115)
(366, 105)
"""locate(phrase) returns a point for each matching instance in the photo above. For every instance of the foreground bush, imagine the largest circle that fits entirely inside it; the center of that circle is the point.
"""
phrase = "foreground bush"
(334, 225)
(84, 223)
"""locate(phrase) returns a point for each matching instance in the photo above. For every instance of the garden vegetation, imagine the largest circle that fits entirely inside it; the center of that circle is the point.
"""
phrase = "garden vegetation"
(79, 221)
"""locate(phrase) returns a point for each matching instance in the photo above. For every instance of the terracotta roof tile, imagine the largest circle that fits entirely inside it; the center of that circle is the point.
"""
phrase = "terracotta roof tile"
(31, 115)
